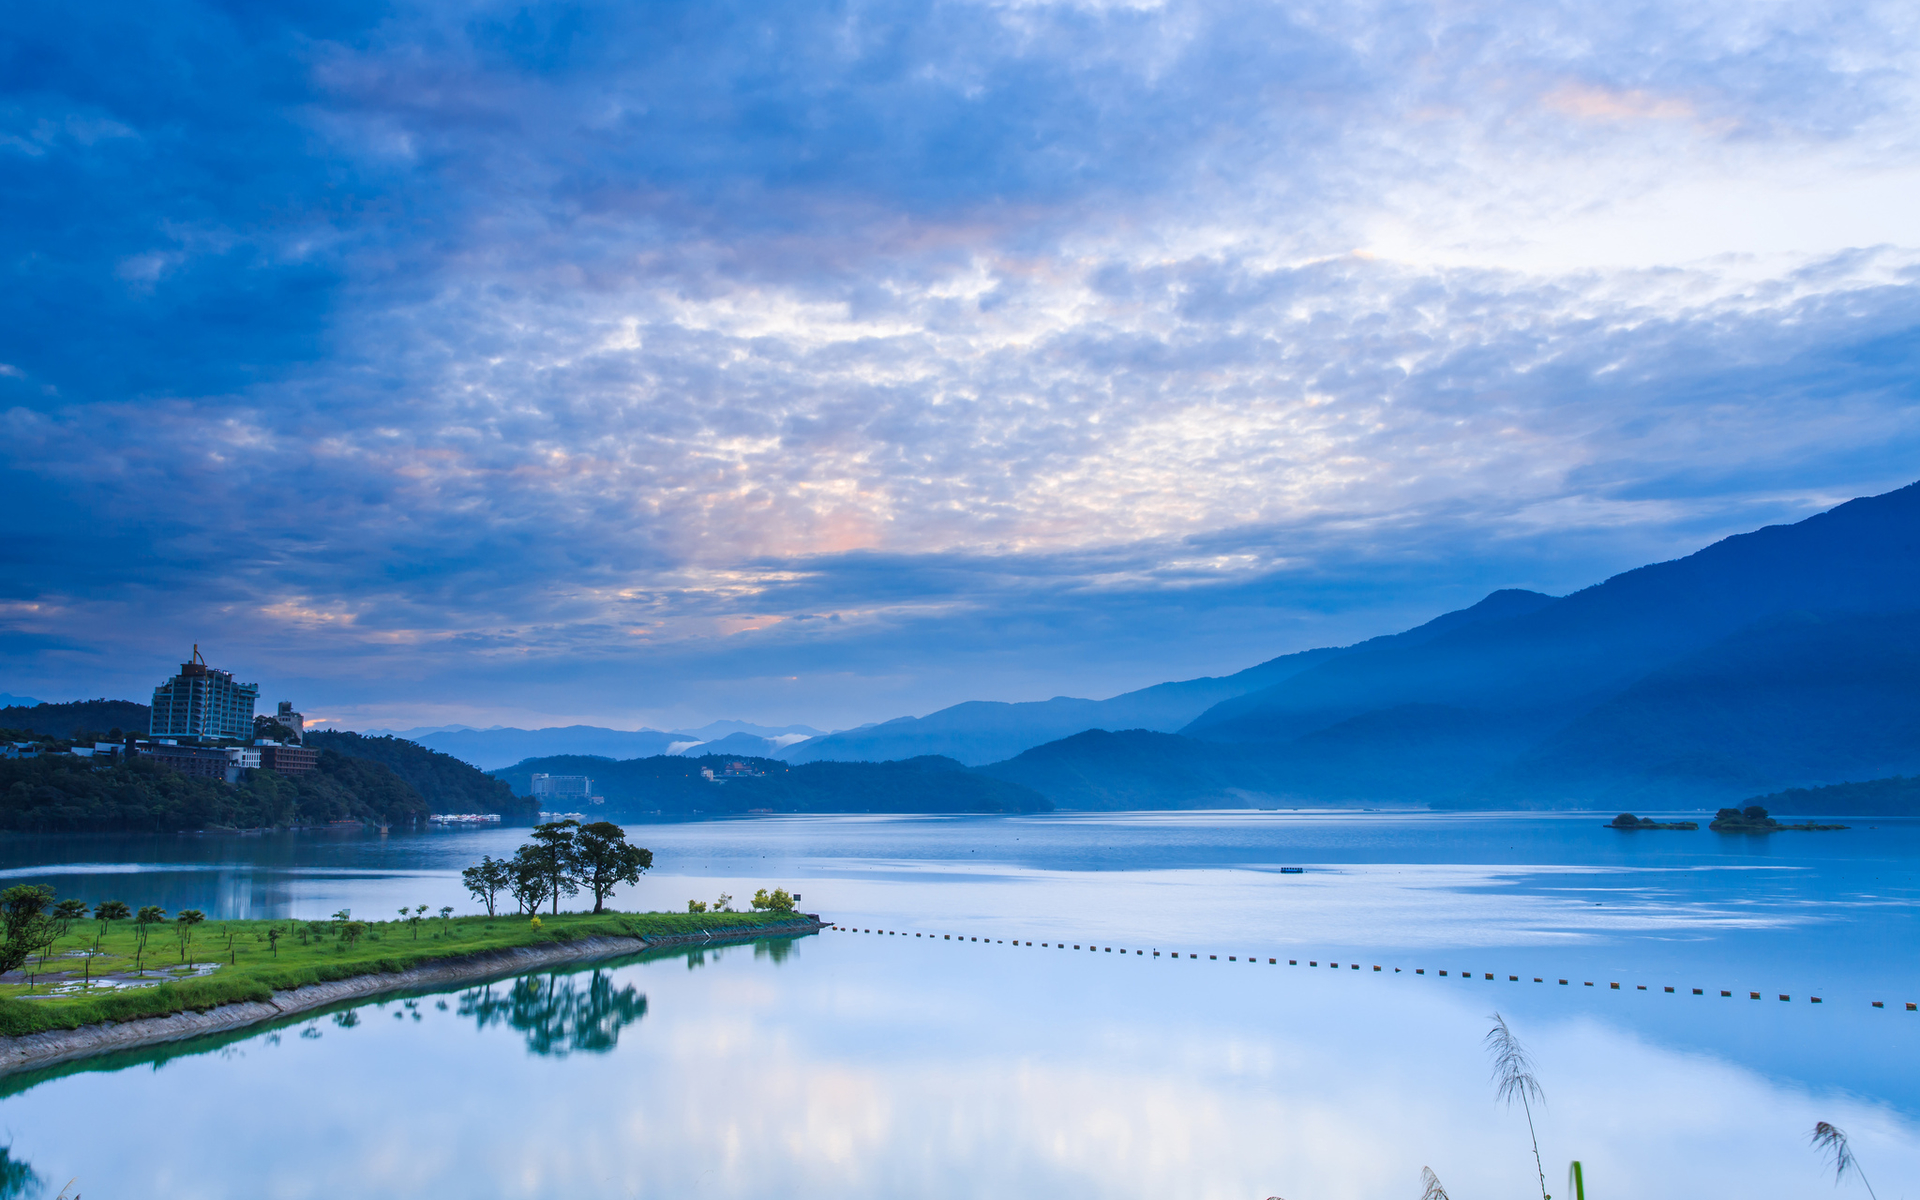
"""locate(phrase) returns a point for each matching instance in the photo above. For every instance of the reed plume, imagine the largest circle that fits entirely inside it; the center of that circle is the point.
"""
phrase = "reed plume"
(1834, 1142)
(1514, 1080)
(1434, 1190)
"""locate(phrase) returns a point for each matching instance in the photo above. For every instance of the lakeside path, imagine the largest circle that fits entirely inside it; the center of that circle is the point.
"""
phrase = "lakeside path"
(52, 1047)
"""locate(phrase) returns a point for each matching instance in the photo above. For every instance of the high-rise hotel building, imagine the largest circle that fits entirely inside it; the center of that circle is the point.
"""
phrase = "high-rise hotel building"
(202, 702)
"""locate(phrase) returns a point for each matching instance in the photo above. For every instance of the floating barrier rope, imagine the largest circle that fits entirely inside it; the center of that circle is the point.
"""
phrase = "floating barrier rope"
(1254, 959)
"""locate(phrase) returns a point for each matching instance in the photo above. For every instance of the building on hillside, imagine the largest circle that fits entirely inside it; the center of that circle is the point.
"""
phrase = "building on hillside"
(287, 719)
(201, 702)
(550, 789)
(289, 760)
(208, 762)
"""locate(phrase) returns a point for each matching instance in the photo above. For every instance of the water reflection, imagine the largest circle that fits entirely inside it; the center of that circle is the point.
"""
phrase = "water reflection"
(558, 1014)
(17, 1179)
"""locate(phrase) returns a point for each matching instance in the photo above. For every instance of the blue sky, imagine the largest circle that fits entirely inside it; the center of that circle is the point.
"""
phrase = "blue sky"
(649, 363)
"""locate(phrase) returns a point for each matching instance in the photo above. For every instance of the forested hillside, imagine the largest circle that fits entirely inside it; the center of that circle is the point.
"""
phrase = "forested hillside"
(447, 784)
(66, 794)
(80, 716)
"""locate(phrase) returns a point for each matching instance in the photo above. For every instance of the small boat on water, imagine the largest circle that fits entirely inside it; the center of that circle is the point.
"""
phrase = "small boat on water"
(1293, 870)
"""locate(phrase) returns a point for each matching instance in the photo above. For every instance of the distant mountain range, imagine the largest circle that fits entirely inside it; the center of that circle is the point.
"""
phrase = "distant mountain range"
(1784, 658)
(1777, 661)
(491, 749)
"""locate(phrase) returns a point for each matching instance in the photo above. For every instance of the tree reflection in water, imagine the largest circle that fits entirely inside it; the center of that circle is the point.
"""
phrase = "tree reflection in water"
(557, 1014)
(17, 1179)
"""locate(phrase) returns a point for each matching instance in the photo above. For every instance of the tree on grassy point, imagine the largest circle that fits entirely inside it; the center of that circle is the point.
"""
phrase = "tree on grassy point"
(23, 914)
(183, 923)
(555, 849)
(108, 911)
(413, 922)
(605, 859)
(488, 879)
(352, 931)
(273, 939)
(446, 913)
(527, 882)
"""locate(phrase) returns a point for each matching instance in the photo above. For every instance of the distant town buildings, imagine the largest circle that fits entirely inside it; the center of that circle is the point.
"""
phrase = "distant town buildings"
(201, 702)
(549, 789)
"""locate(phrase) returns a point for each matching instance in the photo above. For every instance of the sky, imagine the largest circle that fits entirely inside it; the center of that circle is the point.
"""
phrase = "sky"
(644, 364)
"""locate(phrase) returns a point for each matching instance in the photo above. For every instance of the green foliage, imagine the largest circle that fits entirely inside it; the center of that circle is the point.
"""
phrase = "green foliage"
(604, 859)
(776, 901)
(264, 961)
(23, 916)
(446, 783)
(487, 879)
(59, 793)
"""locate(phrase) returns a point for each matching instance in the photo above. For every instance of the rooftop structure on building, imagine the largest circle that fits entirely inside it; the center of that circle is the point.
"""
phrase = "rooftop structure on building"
(292, 722)
(201, 702)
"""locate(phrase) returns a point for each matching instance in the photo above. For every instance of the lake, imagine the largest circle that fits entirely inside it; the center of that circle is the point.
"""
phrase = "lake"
(887, 1064)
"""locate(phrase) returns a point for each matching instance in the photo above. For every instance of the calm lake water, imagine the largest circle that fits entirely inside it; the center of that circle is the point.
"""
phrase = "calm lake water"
(856, 1064)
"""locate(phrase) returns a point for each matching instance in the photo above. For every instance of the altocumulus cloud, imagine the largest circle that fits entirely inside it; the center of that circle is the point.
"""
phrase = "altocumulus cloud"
(658, 362)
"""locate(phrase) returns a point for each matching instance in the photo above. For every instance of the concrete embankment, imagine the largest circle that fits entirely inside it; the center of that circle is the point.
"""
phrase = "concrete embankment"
(55, 1046)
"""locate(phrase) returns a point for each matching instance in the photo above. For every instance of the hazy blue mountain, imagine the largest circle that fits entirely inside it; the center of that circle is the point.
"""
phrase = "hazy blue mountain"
(1542, 668)
(9, 700)
(746, 744)
(674, 785)
(1782, 658)
(1895, 797)
(489, 749)
(984, 731)
(1801, 700)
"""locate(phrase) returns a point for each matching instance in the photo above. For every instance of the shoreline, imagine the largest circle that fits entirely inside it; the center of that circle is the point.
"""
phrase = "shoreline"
(52, 1047)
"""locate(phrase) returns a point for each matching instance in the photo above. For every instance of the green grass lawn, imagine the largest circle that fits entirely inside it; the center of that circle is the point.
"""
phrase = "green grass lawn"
(229, 961)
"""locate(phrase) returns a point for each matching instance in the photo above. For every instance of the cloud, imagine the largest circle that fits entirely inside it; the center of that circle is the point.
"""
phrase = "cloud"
(594, 359)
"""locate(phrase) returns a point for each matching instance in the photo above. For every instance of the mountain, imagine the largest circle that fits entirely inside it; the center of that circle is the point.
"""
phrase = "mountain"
(982, 731)
(491, 749)
(676, 785)
(1895, 797)
(1781, 658)
(446, 784)
(90, 716)
(9, 700)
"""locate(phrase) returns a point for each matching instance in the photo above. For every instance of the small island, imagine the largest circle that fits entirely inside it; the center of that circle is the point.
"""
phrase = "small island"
(1754, 819)
(1629, 821)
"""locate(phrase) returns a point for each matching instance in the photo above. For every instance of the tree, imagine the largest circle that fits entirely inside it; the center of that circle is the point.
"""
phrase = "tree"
(527, 881)
(487, 879)
(108, 911)
(604, 859)
(352, 930)
(67, 912)
(23, 912)
(183, 923)
(413, 922)
(778, 901)
(146, 919)
(558, 854)
(273, 939)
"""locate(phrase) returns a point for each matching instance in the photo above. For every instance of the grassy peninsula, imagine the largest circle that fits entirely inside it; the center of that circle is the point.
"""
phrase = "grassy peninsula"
(99, 972)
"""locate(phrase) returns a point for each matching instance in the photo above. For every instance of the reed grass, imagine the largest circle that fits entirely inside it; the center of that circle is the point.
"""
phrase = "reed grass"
(1833, 1142)
(1514, 1079)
